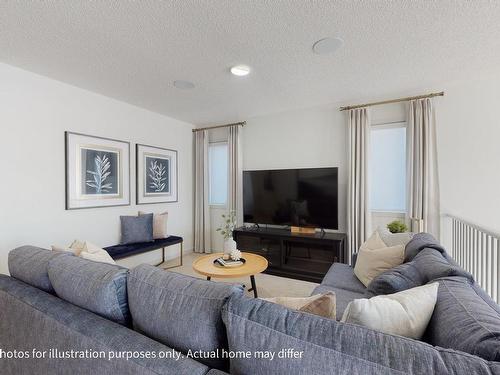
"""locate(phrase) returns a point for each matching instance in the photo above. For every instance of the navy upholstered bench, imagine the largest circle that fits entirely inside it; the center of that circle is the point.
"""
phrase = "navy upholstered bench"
(124, 251)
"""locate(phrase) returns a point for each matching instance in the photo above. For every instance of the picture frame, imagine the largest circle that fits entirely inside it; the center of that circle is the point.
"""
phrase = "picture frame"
(97, 171)
(156, 175)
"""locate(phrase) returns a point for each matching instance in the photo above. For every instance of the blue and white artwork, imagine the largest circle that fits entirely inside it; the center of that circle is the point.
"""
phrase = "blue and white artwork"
(99, 172)
(157, 175)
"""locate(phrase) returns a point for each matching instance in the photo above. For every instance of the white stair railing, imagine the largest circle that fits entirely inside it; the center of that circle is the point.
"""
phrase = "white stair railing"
(477, 251)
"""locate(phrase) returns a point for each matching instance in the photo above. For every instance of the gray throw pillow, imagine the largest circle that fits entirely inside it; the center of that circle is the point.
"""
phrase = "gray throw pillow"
(136, 229)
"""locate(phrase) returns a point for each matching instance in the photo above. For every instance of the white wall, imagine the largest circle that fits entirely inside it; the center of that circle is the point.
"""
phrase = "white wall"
(313, 137)
(305, 138)
(34, 113)
(468, 135)
(469, 150)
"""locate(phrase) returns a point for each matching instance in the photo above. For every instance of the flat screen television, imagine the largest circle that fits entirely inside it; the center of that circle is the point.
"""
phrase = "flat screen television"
(292, 197)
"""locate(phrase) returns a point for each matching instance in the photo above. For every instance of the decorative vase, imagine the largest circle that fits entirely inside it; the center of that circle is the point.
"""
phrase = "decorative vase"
(228, 247)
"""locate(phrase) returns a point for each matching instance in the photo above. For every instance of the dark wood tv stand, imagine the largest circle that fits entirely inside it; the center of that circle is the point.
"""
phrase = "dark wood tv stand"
(299, 256)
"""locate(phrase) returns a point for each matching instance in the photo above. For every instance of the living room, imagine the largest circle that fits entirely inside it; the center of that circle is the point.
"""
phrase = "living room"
(353, 115)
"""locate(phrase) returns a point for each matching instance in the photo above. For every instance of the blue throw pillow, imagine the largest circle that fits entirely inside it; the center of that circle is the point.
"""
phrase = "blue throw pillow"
(136, 229)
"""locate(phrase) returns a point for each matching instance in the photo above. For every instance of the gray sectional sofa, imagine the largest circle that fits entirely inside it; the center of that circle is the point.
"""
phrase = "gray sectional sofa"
(149, 321)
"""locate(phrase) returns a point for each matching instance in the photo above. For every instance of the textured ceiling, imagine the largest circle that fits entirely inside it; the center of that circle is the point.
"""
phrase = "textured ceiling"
(133, 50)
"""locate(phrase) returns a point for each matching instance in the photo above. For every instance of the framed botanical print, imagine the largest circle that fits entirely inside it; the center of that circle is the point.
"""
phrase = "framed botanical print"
(97, 171)
(156, 174)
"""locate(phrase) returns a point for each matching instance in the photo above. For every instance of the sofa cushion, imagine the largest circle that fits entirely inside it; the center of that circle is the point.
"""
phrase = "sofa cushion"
(97, 287)
(427, 265)
(254, 325)
(31, 318)
(397, 279)
(432, 265)
(419, 242)
(342, 297)
(180, 311)
(462, 320)
(342, 276)
(29, 264)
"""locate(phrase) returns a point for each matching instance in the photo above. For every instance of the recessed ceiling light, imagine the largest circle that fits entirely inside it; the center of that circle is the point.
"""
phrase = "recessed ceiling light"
(327, 46)
(240, 70)
(184, 85)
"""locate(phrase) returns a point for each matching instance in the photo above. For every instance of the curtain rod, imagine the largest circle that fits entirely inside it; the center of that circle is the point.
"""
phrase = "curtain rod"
(408, 98)
(242, 123)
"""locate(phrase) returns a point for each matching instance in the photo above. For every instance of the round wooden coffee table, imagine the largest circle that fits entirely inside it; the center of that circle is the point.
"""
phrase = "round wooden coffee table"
(254, 264)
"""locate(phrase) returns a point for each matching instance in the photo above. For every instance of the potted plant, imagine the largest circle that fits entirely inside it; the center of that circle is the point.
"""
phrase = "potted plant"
(397, 226)
(227, 232)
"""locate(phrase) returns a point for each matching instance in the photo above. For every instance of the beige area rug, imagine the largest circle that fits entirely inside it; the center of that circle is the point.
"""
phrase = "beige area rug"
(267, 285)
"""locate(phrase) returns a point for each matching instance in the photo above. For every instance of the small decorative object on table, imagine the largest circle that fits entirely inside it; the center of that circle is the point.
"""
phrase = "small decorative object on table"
(227, 232)
(235, 255)
(397, 226)
(229, 262)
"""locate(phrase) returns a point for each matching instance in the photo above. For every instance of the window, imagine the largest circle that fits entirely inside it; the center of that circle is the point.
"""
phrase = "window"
(218, 171)
(388, 168)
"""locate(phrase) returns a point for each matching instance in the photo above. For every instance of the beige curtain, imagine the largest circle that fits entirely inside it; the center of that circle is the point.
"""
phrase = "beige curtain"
(235, 176)
(201, 206)
(422, 169)
(358, 214)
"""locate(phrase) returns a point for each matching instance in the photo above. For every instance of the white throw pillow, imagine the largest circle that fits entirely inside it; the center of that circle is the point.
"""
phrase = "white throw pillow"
(61, 248)
(393, 239)
(406, 313)
(159, 224)
(100, 256)
(77, 247)
(371, 263)
(91, 248)
(320, 304)
(372, 243)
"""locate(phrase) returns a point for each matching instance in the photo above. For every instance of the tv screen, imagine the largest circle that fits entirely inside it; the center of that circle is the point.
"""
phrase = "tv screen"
(292, 197)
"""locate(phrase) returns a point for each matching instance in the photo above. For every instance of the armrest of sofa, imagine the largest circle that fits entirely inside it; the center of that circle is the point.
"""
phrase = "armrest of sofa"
(32, 318)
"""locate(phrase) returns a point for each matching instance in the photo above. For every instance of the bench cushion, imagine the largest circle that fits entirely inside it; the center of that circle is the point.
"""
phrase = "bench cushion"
(180, 311)
(95, 286)
(123, 251)
(29, 264)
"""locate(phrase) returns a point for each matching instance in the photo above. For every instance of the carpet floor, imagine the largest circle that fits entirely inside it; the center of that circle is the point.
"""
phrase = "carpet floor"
(267, 285)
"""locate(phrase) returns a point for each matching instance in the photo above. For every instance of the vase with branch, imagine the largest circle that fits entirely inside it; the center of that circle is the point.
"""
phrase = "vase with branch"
(226, 230)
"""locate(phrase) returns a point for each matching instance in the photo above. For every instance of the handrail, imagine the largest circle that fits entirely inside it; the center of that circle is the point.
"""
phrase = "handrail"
(475, 226)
